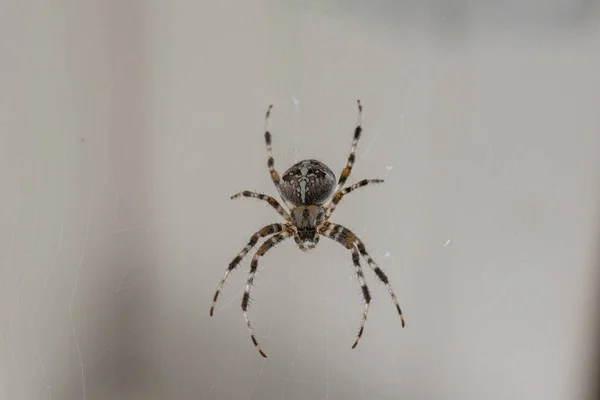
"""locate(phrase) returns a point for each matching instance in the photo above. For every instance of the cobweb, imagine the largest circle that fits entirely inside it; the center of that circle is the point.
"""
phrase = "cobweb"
(46, 285)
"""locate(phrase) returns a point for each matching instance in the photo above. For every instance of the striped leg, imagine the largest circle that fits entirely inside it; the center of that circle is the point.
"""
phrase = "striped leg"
(265, 231)
(341, 236)
(346, 237)
(271, 162)
(346, 171)
(272, 202)
(381, 275)
(338, 196)
(365, 291)
(272, 241)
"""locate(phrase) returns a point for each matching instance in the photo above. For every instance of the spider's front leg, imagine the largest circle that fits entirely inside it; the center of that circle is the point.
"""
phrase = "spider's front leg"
(263, 232)
(272, 241)
(271, 162)
(348, 169)
(349, 240)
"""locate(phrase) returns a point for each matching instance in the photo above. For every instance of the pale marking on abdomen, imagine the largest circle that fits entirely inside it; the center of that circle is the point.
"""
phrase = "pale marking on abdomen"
(303, 181)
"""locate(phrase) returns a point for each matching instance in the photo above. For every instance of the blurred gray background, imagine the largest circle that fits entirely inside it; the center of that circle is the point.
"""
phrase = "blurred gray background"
(126, 126)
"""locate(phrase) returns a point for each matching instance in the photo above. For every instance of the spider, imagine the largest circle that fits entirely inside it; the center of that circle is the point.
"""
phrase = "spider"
(309, 190)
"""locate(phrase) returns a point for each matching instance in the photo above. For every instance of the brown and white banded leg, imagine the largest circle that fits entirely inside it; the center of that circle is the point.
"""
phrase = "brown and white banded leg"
(270, 242)
(271, 162)
(381, 275)
(346, 237)
(272, 202)
(338, 235)
(348, 169)
(263, 232)
(339, 195)
(365, 291)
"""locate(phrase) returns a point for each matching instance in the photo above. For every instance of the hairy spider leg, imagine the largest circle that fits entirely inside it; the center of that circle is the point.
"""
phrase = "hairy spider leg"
(268, 244)
(271, 162)
(365, 292)
(349, 240)
(272, 202)
(339, 195)
(263, 232)
(348, 169)
(340, 236)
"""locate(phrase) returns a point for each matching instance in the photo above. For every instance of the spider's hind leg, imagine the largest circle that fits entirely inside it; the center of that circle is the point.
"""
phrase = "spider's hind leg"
(348, 239)
(381, 275)
(343, 236)
(263, 232)
(365, 292)
(268, 244)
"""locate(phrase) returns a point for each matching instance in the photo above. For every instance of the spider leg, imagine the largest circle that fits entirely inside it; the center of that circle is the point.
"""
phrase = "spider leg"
(271, 162)
(272, 241)
(339, 195)
(346, 171)
(346, 237)
(263, 232)
(381, 275)
(272, 202)
(365, 291)
(338, 237)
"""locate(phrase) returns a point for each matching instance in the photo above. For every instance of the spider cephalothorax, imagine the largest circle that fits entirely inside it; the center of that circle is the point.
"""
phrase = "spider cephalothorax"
(309, 190)
(306, 220)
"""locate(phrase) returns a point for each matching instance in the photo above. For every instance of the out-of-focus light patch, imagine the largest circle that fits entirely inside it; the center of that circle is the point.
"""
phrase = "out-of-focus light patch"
(389, 169)
(387, 254)
(447, 243)
(296, 103)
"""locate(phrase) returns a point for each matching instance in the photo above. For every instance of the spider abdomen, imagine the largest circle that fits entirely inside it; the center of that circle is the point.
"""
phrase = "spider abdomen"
(308, 182)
